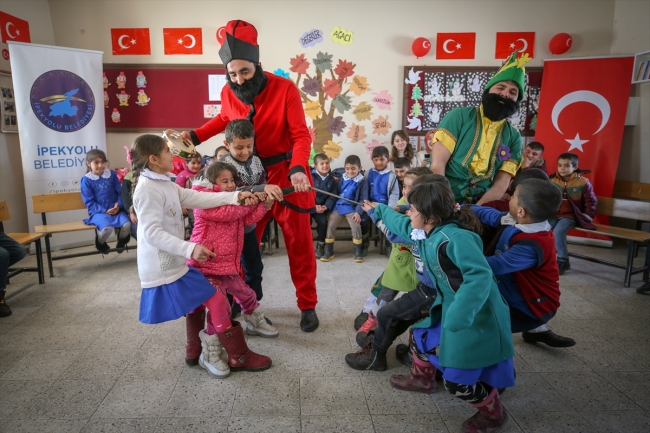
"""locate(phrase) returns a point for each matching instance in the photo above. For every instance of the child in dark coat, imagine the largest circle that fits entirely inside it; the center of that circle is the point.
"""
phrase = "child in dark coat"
(324, 180)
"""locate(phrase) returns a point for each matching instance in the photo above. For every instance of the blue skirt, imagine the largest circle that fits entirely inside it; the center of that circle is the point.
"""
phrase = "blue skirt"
(172, 301)
(500, 375)
(103, 220)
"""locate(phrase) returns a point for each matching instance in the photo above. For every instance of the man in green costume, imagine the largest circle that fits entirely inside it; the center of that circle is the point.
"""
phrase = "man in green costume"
(476, 148)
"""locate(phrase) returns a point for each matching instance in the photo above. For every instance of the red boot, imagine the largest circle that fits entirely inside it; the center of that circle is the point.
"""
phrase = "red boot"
(491, 415)
(422, 377)
(194, 323)
(240, 357)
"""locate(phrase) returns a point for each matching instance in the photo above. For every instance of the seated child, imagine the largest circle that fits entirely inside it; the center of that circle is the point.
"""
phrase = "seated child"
(402, 165)
(467, 334)
(127, 196)
(353, 186)
(11, 252)
(324, 180)
(101, 193)
(578, 205)
(522, 257)
(532, 157)
(219, 153)
(382, 187)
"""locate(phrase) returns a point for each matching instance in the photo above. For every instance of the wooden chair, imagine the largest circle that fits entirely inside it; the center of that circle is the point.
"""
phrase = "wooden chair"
(25, 239)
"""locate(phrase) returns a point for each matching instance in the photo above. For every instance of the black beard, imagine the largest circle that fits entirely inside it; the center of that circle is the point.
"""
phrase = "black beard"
(497, 108)
(247, 91)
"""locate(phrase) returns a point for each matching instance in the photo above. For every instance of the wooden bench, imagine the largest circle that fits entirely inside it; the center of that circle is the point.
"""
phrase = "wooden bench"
(46, 203)
(629, 209)
(25, 239)
(635, 190)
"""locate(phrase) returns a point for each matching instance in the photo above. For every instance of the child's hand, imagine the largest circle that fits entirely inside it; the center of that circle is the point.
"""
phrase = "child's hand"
(321, 208)
(114, 210)
(184, 211)
(274, 191)
(261, 196)
(366, 206)
(268, 204)
(133, 217)
(425, 162)
(247, 198)
(396, 209)
(201, 253)
(356, 218)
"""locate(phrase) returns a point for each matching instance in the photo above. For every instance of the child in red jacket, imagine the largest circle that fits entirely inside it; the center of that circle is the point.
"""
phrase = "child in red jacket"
(578, 205)
(222, 231)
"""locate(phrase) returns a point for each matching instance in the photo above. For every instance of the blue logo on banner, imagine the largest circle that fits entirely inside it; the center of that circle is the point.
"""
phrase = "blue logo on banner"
(62, 101)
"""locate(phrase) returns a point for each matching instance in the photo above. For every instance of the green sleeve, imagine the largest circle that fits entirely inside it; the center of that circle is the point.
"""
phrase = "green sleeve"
(397, 223)
(450, 127)
(466, 252)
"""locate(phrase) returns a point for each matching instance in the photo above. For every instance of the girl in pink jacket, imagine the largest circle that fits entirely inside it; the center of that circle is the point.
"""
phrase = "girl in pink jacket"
(222, 231)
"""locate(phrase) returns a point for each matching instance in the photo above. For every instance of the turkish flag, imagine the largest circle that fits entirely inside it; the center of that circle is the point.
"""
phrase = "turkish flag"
(130, 41)
(455, 46)
(13, 29)
(582, 110)
(183, 40)
(507, 42)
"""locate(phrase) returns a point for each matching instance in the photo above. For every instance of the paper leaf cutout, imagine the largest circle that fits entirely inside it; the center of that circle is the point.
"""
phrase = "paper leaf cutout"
(313, 109)
(359, 85)
(344, 69)
(311, 86)
(323, 61)
(312, 134)
(363, 111)
(371, 146)
(299, 64)
(331, 88)
(281, 72)
(332, 150)
(336, 125)
(342, 36)
(381, 125)
(356, 133)
(342, 103)
(311, 38)
(383, 100)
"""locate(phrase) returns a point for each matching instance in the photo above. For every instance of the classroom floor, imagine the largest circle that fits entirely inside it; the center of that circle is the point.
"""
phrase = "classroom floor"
(74, 358)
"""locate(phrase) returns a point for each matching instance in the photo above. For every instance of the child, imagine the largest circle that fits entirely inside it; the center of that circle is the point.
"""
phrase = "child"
(522, 257)
(11, 252)
(467, 334)
(352, 185)
(127, 196)
(220, 152)
(401, 166)
(192, 166)
(221, 230)
(502, 205)
(532, 157)
(324, 180)
(401, 148)
(578, 205)
(101, 193)
(382, 188)
(170, 288)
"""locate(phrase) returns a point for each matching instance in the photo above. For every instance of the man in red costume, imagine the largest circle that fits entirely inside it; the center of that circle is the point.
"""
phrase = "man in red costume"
(282, 142)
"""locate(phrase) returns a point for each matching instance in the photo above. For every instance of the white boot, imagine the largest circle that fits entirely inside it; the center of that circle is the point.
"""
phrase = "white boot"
(256, 324)
(212, 357)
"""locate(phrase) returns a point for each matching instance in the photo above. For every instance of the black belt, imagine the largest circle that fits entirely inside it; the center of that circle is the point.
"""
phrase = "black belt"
(275, 159)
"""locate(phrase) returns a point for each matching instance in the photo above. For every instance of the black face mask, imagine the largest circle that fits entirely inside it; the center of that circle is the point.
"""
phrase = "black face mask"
(496, 107)
(247, 91)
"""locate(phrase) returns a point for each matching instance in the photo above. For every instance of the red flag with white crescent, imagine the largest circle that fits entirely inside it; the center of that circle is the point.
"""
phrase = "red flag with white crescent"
(507, 42)
(183, 40)
(130, 41)
(13, 29)
(455, 46)
(582, 110)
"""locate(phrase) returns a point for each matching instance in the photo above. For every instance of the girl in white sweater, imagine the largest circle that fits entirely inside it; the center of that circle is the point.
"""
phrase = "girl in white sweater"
(170, 289)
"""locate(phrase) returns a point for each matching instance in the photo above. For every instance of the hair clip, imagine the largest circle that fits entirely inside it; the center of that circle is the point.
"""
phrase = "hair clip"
(456, 208)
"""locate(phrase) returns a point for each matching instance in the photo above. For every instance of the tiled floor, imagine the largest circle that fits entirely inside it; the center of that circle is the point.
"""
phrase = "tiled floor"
(74, 358)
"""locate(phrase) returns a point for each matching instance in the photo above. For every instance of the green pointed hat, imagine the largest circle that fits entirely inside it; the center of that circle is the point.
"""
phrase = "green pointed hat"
(512, 70)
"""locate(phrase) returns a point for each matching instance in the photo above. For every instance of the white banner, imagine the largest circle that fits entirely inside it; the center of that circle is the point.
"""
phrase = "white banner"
(59, 101)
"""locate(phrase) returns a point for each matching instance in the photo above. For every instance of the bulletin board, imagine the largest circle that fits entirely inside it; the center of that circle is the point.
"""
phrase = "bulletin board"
(431, 92)
(173, 97)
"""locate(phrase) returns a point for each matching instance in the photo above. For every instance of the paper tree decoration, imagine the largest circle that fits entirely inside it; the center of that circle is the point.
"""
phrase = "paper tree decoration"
(416, 110)
(417, 92)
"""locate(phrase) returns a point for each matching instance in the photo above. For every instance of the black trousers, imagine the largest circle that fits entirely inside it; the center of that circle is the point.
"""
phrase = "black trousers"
(321, 225)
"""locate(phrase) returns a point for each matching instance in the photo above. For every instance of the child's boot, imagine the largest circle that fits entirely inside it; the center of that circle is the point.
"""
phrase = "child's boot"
(211, 356)
(368, 326)
(320, 249)
(256, 324)
(240, 357)
(102, 248)
(422, 377)
(563, 264)
(365, 243)
(491, 415)
(194, 323)
(358, 257)
(329, 251)
(367, 359)
(121, 243)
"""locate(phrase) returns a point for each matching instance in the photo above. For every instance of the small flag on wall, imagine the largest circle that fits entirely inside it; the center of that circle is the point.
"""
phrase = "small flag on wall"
(13, 29)
(507, 42)
(455, 46)
(183, 40)
(130, 41)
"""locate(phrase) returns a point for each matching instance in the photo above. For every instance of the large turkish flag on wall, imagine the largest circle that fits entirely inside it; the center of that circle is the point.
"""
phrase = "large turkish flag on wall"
(455, 46)
(13, 29)
(582, 110)
(183, 40)
(130, 41)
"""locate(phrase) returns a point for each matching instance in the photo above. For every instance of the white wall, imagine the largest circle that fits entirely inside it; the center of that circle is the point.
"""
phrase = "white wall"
(37, 13)
(632, 35)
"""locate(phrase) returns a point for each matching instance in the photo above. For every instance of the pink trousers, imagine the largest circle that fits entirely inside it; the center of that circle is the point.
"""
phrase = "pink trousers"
(218, 316)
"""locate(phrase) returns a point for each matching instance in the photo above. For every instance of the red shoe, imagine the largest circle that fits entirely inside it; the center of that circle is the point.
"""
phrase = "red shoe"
(194, 323)
(491, 415)
(240, 357)
(368, 326)
(422, 377)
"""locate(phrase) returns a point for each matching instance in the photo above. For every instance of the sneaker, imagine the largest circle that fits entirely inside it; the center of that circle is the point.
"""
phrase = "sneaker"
(549, 338)
(360, 320)
(257, 325)
(367, 359)
(369, 326)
